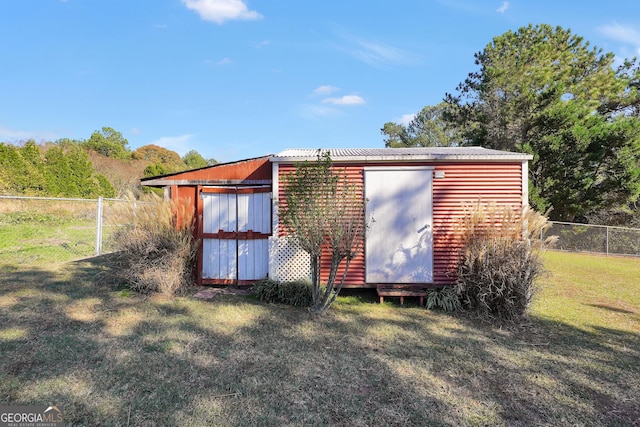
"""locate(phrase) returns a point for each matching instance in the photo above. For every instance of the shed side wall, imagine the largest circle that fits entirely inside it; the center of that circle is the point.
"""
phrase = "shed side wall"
(464, 183)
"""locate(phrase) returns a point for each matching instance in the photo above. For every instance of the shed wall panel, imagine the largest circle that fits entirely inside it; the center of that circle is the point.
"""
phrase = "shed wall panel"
(356, 273)
(184, 199)
(464, 184)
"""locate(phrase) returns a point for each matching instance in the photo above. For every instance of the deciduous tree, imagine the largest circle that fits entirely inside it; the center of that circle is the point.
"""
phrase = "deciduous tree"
(168, 159)
(194, 160)
(426, 129)
(322, 211)
(109, 143)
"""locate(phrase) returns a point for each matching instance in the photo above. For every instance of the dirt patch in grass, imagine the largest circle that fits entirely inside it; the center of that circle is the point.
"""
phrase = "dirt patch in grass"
(110, 358)
(209, 293)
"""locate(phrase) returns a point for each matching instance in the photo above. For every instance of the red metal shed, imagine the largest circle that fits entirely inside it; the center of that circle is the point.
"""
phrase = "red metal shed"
(415, 195)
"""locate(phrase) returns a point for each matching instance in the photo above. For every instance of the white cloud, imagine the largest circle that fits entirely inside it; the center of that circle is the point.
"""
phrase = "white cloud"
(345, 100)
(378, 54)
(505, 6)
(325, 90)
(406, 119)
(135, 131)
(374, 53)
(219, 11)
(623, 33)
(178, 144)
(13, 135)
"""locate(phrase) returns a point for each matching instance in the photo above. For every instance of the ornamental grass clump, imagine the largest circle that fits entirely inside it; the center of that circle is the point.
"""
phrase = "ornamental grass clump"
(153, 254)
(500, 260)
(446, 299)
(296, 293)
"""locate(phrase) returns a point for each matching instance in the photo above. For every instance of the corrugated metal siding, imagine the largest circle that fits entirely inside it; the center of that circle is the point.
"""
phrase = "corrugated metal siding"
(356, 274)
(464, 184)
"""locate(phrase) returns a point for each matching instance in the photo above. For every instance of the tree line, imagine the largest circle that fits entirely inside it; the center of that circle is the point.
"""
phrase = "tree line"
(102, 165)
(545, 91)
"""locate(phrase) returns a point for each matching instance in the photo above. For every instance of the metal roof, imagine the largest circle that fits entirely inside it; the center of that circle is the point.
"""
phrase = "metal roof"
(400, 154)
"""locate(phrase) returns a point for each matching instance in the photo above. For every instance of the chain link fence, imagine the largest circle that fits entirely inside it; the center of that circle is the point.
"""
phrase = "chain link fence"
(36, 230)
(595, 238)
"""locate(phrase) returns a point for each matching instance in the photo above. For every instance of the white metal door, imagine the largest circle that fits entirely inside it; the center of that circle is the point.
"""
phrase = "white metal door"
(235, 228)
(399, 244)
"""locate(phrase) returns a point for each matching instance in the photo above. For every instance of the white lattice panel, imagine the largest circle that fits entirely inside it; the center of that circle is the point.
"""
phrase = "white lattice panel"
(289, 262)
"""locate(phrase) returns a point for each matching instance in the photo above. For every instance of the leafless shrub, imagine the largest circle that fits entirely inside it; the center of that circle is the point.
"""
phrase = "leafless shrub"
(153, 254)
(500, 260)
(324, 212)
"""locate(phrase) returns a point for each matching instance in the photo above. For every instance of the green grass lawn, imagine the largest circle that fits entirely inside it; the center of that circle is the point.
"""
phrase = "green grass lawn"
(112, 358)
(36, 238)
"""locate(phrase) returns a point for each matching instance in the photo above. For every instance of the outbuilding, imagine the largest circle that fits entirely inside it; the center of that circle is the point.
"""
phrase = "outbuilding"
(416, 196)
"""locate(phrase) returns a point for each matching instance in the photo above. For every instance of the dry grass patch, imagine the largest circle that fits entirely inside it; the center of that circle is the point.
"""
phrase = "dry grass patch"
(235, 361)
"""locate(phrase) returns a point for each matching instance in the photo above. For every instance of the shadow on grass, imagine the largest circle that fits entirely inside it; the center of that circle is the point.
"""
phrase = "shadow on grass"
(611, 308)
(114, 360)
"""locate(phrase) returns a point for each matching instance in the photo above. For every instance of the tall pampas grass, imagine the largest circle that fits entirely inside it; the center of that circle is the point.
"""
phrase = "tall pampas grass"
(153, 254)
(500, 259)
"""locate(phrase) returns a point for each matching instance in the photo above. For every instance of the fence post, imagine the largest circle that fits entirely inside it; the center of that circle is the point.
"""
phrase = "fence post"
(607, 248)
(99, 227)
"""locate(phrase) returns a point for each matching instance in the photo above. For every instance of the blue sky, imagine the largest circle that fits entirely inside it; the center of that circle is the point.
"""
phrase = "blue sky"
(235, 79)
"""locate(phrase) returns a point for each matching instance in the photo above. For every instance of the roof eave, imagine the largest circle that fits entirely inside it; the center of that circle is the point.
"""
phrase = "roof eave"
(409, 158)
(145, 180)
(206, 182)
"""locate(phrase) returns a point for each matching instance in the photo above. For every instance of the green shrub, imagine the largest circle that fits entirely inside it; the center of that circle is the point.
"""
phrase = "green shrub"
(153, 255)
(296, 293)
(500, 260)
(446, 299)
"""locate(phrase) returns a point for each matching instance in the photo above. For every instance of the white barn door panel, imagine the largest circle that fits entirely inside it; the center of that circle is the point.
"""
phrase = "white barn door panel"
(235, 226)
(219, 259)
(219, 212)
(399, 244)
